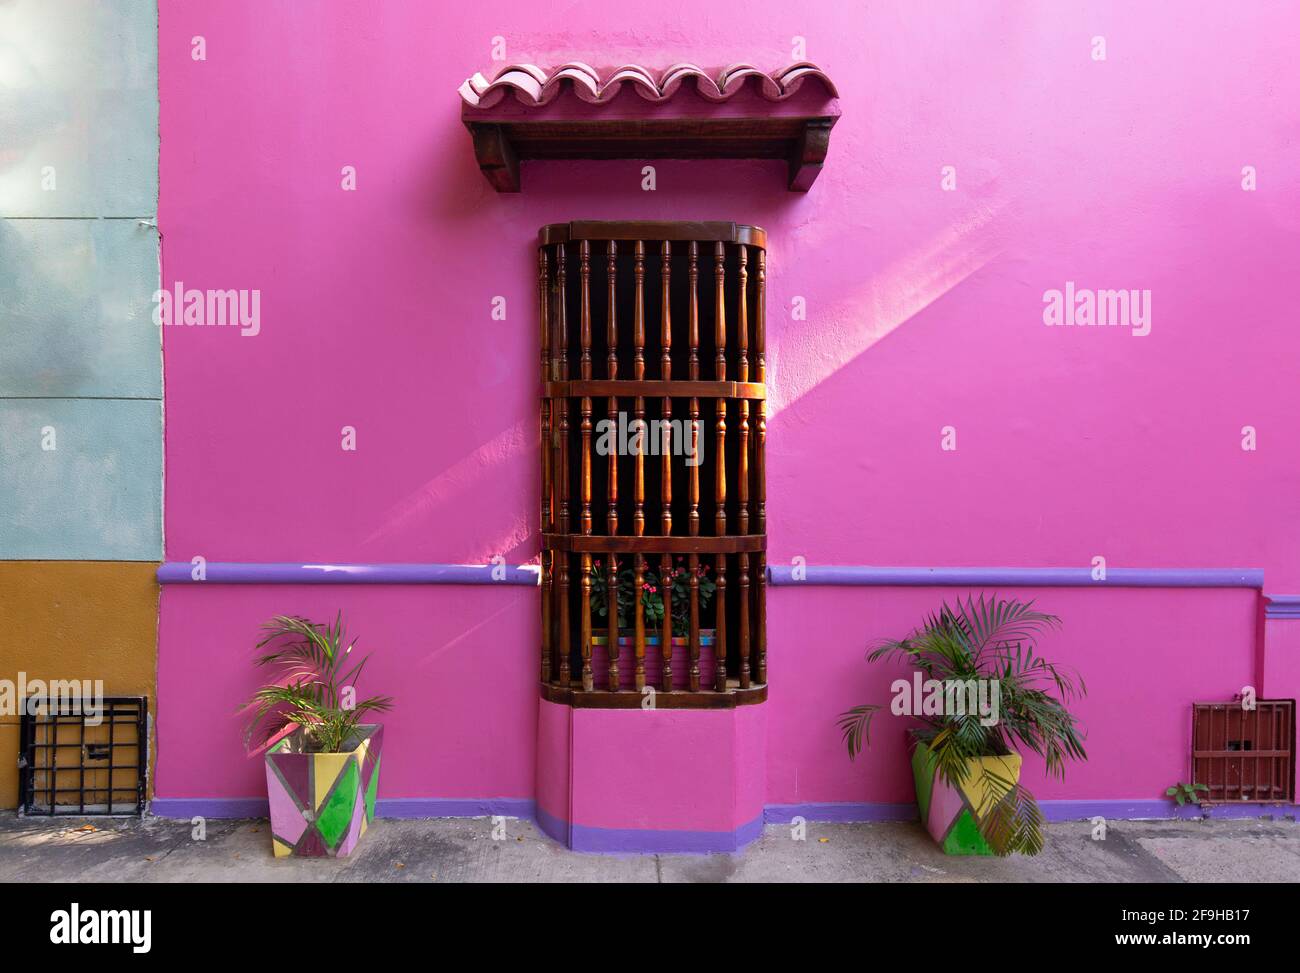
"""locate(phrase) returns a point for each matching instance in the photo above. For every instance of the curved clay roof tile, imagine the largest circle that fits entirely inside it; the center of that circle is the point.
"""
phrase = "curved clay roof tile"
(525, 80)
(633, 74)
(533, 86)
(736, 76)
(793, 77)
(583, 78)
(705, 86)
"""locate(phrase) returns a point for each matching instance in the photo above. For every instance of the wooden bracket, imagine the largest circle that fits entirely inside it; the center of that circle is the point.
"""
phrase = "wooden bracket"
(810, 153)
(496, 156)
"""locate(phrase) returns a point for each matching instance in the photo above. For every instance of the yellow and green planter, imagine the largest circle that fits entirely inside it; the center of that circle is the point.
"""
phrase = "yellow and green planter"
(952, 814)
(322, 803)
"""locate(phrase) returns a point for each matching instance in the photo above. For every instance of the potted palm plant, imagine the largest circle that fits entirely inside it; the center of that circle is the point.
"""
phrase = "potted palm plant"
(322, 757)
(965, 765)
(652, 604)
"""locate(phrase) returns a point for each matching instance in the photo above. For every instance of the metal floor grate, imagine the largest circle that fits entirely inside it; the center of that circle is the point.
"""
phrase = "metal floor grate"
(69, 763)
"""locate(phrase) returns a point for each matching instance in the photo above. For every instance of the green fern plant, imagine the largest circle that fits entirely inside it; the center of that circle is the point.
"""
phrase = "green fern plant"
(1186, 793)
(316, 688)
(652, 596)
(988, 639)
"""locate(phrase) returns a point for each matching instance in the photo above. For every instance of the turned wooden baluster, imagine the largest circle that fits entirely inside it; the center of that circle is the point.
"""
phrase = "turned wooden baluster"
(638, 516)
(584, 518)
(720, 477)
(760, 460)
(611, 629)
(611, 493)
(742, 456)
(562, 336)
(666, 466)
(666, 626)
(543, 296)
(693, 519)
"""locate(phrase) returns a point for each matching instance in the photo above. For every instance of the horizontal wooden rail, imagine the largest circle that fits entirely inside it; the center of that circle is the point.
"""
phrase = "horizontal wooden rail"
(651, 388)
(601, 699)
(655, 544)
(701, 232)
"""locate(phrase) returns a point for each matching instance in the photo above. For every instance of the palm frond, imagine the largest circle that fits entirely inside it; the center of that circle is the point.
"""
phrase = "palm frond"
(1009, 818)
(988, 639)
(312, 659)
(855, 727)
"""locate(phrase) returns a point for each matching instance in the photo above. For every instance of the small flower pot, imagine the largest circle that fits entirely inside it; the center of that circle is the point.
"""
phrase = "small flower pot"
(654, 661)
(322, 803)
(951, 814)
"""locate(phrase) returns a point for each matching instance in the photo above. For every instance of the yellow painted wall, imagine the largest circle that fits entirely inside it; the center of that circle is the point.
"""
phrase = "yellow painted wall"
(76, 620)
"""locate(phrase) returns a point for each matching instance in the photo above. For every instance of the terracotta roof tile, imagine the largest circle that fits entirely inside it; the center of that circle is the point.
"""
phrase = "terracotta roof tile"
(534, 86)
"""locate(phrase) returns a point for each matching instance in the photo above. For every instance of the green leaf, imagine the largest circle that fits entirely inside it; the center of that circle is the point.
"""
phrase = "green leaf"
(314, 672)
(989, 638)
(855, 727)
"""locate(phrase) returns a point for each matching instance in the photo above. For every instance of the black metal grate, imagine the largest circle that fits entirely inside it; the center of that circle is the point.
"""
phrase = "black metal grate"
(67, 766)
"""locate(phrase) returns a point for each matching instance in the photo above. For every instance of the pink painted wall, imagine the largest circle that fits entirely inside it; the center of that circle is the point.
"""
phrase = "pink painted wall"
(625, 768)
(1281, 661)
(463, 678)
(924, 311)
(1144, 655)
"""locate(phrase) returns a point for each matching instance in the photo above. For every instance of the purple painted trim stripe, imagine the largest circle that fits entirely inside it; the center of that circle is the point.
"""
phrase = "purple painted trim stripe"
(1282, 606)
(580, 837)
(209, 807)
(388, 807)
(241, 572)
(1139, 809)
(425, 807)
(1135, 809)
(841, 812)
(584, 838)
(826, 574)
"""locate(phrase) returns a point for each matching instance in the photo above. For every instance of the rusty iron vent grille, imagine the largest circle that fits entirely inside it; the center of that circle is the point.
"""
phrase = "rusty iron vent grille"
(1242, 754)
(80, 757)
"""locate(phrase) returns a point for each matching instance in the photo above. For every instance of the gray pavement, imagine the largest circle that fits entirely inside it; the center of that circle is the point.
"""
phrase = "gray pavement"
(464, 850)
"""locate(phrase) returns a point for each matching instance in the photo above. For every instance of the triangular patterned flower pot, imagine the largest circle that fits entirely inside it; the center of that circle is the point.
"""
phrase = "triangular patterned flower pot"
(322, 803)
(952, 814)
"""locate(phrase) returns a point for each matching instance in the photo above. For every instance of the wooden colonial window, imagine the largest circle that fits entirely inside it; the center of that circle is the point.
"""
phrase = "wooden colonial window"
(661, 324)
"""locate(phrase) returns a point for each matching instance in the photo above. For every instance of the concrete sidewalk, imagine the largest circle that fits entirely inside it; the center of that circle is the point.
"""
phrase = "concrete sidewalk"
(464, 850)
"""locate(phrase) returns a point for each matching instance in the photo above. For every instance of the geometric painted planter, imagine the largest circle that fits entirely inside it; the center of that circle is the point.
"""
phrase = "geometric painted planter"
(322, 803)
(951, 814)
